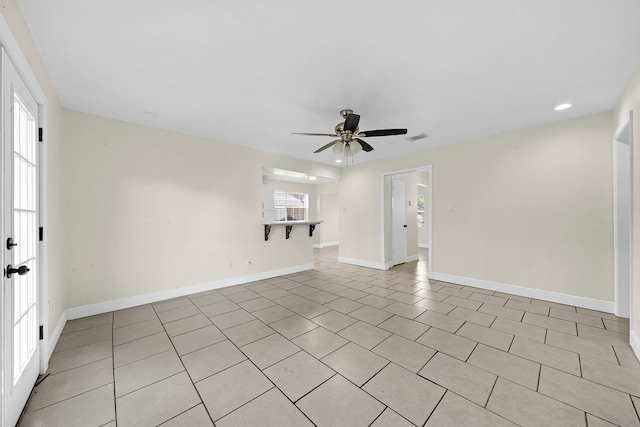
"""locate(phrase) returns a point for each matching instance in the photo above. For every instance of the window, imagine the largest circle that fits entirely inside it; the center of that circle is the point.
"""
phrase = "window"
(420, 210)
(291, 206)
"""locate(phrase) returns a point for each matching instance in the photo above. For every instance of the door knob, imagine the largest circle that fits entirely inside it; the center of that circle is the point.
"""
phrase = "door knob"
(10, 271)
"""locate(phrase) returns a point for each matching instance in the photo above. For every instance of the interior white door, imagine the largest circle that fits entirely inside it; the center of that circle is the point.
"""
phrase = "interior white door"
(398, 222)
(20, 224)
(622, 221)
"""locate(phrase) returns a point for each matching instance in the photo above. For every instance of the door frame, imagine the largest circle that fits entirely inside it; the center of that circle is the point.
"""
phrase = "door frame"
(623, 135)
(385, 216)
(14, 52)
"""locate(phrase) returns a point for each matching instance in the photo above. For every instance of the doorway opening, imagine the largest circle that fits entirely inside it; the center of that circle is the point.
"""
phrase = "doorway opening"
(400, 243)
(622, 217)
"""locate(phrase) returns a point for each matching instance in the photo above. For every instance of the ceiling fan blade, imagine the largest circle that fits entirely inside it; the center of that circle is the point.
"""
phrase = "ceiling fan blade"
(384, 132)
(324, 147)
(365, 147)
(315, 134)
(351, 122)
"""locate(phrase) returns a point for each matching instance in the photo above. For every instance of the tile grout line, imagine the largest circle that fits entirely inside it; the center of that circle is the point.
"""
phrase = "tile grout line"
(113, 366)
(495, 382)
(187, 372)
(635, 407)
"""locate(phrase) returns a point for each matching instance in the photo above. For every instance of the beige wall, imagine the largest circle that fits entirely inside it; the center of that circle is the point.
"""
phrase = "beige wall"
(54, 156)
(148, 210)
(630, 100)
(533, 208)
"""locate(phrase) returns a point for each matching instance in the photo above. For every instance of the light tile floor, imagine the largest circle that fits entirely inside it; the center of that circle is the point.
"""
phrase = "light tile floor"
(343, 346)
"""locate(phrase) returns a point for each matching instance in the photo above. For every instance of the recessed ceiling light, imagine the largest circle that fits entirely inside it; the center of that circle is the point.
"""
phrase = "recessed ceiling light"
(339, 161)
(312, 178)
(562, 107)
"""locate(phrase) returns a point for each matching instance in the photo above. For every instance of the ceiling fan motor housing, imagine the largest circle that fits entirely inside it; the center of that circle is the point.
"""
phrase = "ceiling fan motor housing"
(344, 113)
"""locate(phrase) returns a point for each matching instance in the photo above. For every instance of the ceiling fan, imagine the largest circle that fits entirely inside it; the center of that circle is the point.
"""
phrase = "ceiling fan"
(349, 136)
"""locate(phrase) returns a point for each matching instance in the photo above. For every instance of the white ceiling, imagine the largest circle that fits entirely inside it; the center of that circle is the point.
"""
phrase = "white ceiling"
(251, 72)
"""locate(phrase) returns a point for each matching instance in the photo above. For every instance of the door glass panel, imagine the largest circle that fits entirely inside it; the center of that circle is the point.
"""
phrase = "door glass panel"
(25, 235)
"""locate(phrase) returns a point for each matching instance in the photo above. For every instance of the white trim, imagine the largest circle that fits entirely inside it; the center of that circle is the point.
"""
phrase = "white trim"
(324, 245)
(423, 245)
(363, 263)
(634, 341)
(623, 135)
(578, 301)
(20, 61)
(119, 304)
(412, 258)
(55, 335)
(430, 221)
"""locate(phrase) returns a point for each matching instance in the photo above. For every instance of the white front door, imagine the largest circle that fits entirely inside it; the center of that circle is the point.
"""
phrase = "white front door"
(20, 238)
(398, 222)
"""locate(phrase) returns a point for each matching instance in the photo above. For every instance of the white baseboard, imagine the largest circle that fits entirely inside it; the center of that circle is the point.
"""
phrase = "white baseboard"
(635, 343)
(52, 340)
(55, 335)
(423, 245)
(324, 245)
(363, 263)
(578, 301)
(413, 258)
(119, 304)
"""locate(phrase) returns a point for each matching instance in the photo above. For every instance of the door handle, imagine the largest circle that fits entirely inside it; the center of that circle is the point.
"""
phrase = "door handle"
(10, 271)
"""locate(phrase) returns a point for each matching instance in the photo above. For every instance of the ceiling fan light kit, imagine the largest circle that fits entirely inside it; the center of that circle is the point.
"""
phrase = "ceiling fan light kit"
(348, 132)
